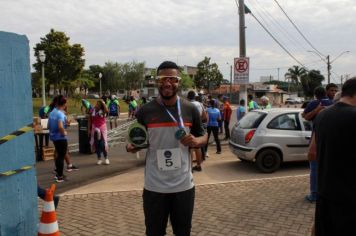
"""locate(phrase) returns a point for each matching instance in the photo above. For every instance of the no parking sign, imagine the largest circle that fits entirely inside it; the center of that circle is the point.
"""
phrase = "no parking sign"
(241, 70)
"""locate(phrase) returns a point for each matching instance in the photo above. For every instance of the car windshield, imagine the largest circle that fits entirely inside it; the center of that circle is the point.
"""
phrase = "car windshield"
(251, 120)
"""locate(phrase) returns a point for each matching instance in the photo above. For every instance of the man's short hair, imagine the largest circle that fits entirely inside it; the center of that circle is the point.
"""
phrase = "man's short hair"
(319, 92)
(212, 103)
(191, 95)
(242, 102)
(250, 97)
(331, 85)
(349, 88)
(167, 65)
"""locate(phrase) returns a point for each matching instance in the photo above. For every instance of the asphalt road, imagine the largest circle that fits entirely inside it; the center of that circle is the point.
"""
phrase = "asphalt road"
(122, 162)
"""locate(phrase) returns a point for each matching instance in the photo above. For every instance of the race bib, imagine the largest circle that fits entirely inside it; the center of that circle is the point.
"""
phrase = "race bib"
(169, 159)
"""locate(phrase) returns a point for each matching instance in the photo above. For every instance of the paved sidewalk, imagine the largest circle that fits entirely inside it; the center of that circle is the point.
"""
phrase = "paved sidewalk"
(259, 207)
(232, 198)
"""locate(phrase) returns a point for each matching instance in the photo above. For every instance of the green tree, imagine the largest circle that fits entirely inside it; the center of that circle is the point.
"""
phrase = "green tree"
(208, 75)
(310, 81)
(295, 73)
(186, 82)
(64, 62)
(133, 75)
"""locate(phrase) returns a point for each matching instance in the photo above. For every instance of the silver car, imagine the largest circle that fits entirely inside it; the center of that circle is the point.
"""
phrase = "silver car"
(270, 137)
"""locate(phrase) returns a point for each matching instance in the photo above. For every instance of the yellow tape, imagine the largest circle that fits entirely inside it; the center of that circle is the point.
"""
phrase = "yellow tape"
(8, 137)
(26, 129)
(10, 172)
(26, 167)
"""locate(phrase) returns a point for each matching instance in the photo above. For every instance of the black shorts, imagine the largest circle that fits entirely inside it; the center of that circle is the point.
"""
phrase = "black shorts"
(334, 218)
(178, 206)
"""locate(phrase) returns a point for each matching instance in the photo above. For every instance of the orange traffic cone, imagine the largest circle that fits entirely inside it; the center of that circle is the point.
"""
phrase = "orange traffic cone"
(49, 225)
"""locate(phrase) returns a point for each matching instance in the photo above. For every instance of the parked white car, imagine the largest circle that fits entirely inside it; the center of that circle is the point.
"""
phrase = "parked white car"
(270, 137)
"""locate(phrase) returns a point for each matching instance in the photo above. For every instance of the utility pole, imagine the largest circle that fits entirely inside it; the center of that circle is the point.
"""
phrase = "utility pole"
(278, 73)
(342, 78)
(328, 67)
(231, 83)
(243, 88)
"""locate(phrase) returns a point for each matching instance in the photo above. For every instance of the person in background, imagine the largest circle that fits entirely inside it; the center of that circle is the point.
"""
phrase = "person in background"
(98, 132)
(220, 105)
(241, 110)
(265, 103)
(47, 111)
(197, 152)
(213, 125)
(227, 117)
(57, 123)
(204, 122)
(331, 90)
(315, 106)
(309, 113)
(105, 98)
(132, 107)
(113, 106)
(143, 101)
(251, 105)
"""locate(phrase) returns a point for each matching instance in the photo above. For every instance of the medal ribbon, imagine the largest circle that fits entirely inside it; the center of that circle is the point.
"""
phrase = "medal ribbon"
(180, 124)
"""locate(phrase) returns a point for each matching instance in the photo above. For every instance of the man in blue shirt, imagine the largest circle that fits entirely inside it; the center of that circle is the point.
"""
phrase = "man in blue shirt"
(213, 125)
(56, 124)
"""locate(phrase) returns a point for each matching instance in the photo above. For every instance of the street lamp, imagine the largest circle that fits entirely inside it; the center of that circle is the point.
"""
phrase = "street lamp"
(100, 76)
(328, 62)
(42, 57)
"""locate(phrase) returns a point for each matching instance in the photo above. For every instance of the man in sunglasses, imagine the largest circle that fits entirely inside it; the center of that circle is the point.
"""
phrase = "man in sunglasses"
(174, 125)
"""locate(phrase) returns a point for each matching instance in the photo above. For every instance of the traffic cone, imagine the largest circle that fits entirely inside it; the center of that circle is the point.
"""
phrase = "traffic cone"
(48, 224)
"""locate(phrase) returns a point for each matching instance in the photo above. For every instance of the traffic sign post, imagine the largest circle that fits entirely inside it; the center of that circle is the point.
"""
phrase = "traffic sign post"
(241, 70)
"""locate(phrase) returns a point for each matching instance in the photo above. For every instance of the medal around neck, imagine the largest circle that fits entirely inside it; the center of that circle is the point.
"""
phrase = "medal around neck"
(137, 135)
(180, 133)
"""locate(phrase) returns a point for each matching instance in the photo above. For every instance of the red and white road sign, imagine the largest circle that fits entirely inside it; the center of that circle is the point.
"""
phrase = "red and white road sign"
(241, 70)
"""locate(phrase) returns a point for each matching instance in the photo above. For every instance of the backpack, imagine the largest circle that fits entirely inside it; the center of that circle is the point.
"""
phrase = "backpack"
(113, 108)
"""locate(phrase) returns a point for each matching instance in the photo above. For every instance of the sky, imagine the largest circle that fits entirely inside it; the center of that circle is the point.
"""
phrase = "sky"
(186, 31)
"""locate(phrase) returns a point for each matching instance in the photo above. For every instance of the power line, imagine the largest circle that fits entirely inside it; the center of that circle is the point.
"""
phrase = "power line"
(280, 27)
(290, 20)
(274, 38)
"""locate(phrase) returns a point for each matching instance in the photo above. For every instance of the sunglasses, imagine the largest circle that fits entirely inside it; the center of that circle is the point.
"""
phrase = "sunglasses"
(170, 79)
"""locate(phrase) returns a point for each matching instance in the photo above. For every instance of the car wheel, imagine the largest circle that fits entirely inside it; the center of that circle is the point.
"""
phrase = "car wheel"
(268, 161)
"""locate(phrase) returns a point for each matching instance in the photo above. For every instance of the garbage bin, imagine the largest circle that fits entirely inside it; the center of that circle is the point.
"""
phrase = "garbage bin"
(84, 141)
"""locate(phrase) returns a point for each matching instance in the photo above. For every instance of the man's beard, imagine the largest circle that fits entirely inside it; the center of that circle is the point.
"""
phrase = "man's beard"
(168, 97)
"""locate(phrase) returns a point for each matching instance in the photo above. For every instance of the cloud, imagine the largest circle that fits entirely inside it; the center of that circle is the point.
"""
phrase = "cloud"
(186, 31)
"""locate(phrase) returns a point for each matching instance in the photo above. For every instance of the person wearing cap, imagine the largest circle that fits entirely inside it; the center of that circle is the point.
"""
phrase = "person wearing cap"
(265, 103)
(113, 106)
(86, 107)
(227, 116)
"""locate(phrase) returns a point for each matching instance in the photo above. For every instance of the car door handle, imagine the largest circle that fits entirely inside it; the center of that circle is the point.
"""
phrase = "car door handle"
(308, 137)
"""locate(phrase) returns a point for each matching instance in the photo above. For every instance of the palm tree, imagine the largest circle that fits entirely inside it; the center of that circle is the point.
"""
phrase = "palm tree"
(295, 73)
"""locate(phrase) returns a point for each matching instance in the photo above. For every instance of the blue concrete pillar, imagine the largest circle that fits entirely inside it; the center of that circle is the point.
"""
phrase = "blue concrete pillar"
(18, 192)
